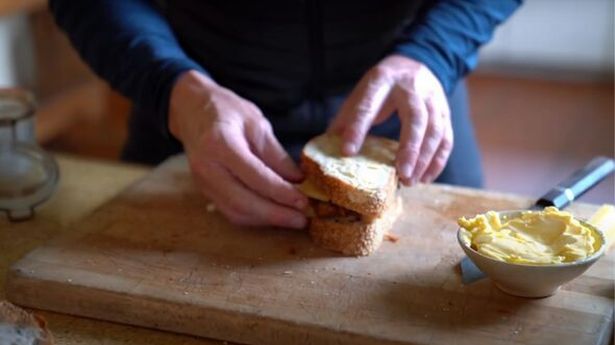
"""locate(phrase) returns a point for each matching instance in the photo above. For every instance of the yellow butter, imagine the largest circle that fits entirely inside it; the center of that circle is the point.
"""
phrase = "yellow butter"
(536, 237)
(604, 219)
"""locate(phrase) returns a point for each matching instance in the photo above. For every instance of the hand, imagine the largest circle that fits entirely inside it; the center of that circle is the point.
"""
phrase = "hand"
(408, 87)
(235, 159)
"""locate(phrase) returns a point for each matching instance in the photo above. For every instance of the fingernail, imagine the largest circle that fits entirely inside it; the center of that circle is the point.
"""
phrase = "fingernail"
(292, 169)
(350, 148)
(298, 222)
(426, 179)
(405, 171)
(301, 204)
(297, 175)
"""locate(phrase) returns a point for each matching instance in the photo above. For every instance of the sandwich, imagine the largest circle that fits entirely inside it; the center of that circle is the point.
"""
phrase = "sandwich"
(353, 199)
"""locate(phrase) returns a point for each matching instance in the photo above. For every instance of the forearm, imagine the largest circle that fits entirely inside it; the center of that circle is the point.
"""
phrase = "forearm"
(130, 45)
(447, 34)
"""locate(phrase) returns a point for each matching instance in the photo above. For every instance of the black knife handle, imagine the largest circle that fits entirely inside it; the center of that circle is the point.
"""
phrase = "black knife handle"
(578, 183)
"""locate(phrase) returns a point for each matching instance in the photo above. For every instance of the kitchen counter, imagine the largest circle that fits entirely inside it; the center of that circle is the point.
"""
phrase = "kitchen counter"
(585, 307)
(84, 186)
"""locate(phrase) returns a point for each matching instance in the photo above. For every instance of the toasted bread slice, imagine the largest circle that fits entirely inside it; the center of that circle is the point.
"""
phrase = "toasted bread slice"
(352, 236)
(19, 327)
(364, 183)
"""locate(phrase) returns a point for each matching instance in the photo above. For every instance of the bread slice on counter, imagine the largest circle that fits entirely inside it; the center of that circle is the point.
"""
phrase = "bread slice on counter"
(18, 327)
(353, 200)
(363, 183)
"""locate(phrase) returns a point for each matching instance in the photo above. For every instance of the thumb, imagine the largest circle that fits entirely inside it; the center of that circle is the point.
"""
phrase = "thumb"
(267, 147)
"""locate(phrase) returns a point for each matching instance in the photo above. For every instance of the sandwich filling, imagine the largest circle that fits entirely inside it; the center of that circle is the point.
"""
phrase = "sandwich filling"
(323, 209)
(321, 206)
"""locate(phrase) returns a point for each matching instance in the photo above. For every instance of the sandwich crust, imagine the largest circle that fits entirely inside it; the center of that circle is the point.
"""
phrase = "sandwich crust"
(354, 237)
(364, 183)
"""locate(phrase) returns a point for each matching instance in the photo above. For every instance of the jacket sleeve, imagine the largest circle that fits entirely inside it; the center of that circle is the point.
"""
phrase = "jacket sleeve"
(446, 35)
(129, 44)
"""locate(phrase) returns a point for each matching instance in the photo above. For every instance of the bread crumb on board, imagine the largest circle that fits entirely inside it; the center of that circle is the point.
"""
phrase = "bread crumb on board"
(391, 237)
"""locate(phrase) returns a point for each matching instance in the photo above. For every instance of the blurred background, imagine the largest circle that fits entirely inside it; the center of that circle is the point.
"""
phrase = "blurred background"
(542, 98)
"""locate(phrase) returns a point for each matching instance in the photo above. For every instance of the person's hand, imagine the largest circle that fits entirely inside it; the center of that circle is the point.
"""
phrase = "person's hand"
(400, 84)
(235, 159)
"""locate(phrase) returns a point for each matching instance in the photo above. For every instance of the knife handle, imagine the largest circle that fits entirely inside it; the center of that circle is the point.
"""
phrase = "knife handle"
(578, 183)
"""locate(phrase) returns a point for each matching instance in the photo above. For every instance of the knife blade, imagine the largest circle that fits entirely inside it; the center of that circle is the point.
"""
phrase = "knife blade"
(560, 196)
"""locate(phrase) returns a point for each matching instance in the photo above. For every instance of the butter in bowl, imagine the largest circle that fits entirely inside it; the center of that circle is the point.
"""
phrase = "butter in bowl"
(530, 253)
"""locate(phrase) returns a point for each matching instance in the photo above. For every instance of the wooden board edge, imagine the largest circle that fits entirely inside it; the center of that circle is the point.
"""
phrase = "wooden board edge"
(57, 296)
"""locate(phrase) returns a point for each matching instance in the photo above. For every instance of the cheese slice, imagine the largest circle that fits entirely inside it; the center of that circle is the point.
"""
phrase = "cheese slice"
(312, 190)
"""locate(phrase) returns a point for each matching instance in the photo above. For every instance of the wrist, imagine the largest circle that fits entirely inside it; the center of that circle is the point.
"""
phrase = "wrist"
(431, 65)
(191, 90)
(417, 68)
(398, 60)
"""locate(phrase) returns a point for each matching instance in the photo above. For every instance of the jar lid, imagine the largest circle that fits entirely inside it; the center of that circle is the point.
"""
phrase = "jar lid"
(15, 105)
(28, 175)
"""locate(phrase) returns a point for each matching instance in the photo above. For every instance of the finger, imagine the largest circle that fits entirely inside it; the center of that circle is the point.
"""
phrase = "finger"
(431, 141)
(385, 112)
(249, 169)
(241, 205)
(360, 109)
(441, 157)
(266, 146)
(413, 117)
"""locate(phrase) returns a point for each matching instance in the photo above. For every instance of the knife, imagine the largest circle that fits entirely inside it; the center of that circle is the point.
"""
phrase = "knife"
(560, 196)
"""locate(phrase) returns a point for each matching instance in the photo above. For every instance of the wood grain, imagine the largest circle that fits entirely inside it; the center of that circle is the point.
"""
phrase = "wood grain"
(154, 257)
(76, 198)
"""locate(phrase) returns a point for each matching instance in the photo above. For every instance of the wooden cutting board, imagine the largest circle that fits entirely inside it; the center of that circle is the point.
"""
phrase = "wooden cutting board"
(155, 257)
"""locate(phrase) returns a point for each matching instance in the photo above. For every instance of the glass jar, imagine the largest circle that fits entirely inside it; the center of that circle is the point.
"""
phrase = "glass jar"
(28, 175)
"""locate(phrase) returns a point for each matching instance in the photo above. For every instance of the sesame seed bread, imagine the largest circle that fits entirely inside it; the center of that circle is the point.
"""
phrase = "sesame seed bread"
(363, 183)
(354, 237)
(353, 198)
(18, 327)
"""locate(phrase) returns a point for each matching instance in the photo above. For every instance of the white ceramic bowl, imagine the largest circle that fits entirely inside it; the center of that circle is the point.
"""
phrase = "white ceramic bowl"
(530, 280)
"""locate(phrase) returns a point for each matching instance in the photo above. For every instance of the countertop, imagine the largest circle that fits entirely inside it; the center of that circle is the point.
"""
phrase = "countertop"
(84, 186)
